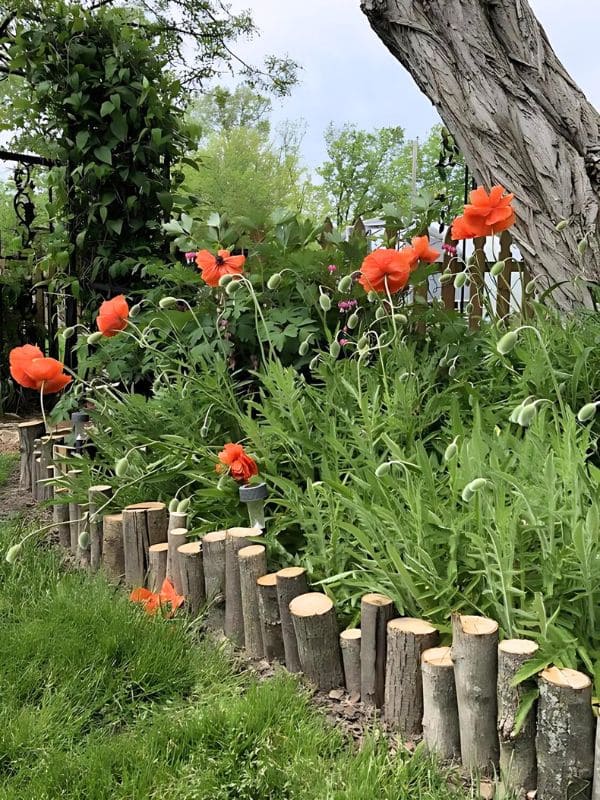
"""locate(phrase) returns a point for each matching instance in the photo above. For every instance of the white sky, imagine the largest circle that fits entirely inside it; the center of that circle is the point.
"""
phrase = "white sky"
(349, 76)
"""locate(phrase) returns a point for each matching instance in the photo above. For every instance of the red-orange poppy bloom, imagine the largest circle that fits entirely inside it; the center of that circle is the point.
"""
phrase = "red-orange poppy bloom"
(386, 270)
(239, 464)
(462, 228)
(32, 370)
(485, 215)
(212, 268)
(167, 599)
(423, 250)
(112, 316)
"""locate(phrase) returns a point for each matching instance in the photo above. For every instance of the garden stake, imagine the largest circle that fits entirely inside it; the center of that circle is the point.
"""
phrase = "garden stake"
(213, 550)
(252, 562)
(317, 634)
(97, 497)
(291, 582)
(235, 539)
(177, 521)
(517, 751)
(28, 433)
(61, 518)
(113, 559)
(144, 524)
(157, 570)
(440, 713)
(407, 638)
(376, 610)
(269, 617)
(191, 571)
(350, 647)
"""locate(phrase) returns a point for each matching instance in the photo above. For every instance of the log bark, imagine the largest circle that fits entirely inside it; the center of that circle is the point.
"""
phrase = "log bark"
(518, 769)
(191, 571)
(61, 518)
(83, 550)
(596, 782)
(157, 572)
(252, 562)
(75, 518)
(35, 470)
(177, 519)
(235, 539)
(97, 498)
(376, 610)
(270, 621)
(113, 559)
(440, 713)
(177, 538)
(565, 735)
(407, 638)
(350, 647)
(144, 524)
(475, 657)
(28, 433)
(213, 547)
(47, 444)
(516, 114)
(317, 635)
(291, 582)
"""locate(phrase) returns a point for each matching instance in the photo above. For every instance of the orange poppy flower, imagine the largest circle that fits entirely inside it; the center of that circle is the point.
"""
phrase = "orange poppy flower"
(421, 250)
(493, 209)
(32, 370)
(153, 601)
(214, 267)
(462, 228)
(112, 316)
(240, 465)
(386, 270)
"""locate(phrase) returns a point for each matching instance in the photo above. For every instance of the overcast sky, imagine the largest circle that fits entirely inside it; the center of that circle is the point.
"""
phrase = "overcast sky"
(349, 76)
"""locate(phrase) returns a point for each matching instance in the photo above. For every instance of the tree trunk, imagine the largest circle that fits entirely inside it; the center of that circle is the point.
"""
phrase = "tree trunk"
(28, 433)
(516, 114)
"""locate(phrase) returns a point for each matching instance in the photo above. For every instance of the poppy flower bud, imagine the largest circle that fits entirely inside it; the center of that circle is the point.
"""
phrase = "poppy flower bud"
(232, 287)
(183, 506)
(314, 363)
(68, 332)
(94, 337)
(121, 467)
(303, 349)
(467, 494)
(514, 414)
(469, 308)
(363, 343)
(582, 247)
(382, 469)
(84, 540)
(345, 284)
(460, 279)
(204, 431)
(173, 505)
(225, 279)
(497, 269)
(587, 412)
(451, 451)
(477, 484)
(352, 321)
(380, 313)
(167, 302)
(526, 415)
(452, 369)
(530, 287)
(135, 310)
(560, 226)
(13, 553)
(401, 318)
(446, 277)
(334, 349)
(325, 302)
(372, 296)
(507, 342)
(274, 281)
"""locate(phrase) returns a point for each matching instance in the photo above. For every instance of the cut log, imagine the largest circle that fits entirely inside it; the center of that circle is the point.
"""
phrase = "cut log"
(440, 712)
(83, 552)
(317, 635)
(61, 453)
(177, 538)
(350, 647)
(157, 572)
(191, 572)
(28, 433)
(407, 639)
(177, 520)
(35, 471)
(113, 559)
(98, 496)
(61, 517)
(518, 769)
(75, 518)
(596, 782)
(235, 539)
(47, 444)
(291, 582)
(144, 524)
(565, 735)
(213, 549)
(376, 610)
(252, 561)
(270, 621)
(475, 657)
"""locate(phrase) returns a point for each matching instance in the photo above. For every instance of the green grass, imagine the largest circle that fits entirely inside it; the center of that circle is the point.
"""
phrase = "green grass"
(7, 462)
(97, 700)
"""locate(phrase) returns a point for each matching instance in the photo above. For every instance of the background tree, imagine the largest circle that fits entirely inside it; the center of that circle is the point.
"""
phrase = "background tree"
(517, 115)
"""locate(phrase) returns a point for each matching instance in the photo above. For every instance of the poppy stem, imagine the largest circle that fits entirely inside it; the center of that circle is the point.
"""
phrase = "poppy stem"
(42, 408)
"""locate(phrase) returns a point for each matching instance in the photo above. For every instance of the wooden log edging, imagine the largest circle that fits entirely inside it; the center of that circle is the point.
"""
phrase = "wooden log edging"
(291, 582)
(350, 647)
(235, 540)
(98, 496)
(191, 571)
(144, 524)
(441, 733)
(317, 635)
(252, 563)
(376, 610)
(270, 621)
(28, 433)
(213, 549)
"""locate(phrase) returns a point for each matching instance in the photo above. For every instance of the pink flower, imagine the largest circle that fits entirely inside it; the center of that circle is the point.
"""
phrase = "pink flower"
(344, 342)
(332, 268)
(449, 248)
(190, 257)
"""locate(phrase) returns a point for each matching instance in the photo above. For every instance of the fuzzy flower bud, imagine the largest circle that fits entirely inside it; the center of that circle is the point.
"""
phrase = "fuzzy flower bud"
(314, 363)
(451, 451)
(467, 494)
(460, 279)
(183, 506)
(13, 553)
(530, 287)
(68, 332)
(363, 343)
(121, 467)
(167, 302)
(274, 281)
(582, 247)
(446, 277)
(401, 318)
(225, 279)
(94, 337)
(382, 469)
(477, 484)
(560, 226)
(325, 302)
(507, 342)
(372, 296)
(526, 415)
(334, 349)
(497, 269)
(232, 286)
(204, 431)
(303, 349)
(352, 321)
(380, 313)
(587, 412)
(345, 284)
(173, 505)
(84, 540)
(135, 310)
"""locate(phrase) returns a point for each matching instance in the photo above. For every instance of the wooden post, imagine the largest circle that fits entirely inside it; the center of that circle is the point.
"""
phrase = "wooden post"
(213, 548)
(475, 657)
(376, 610)
(596, 782)
(407, 638)
(157, 572)
(144, 524)
(317, 635)
(350, 647)
(517, 750)
(503, 292)
(235, 539)
(35, 470)
(269, 617)
(291, 582)
(83, 553)
(177, 520)
(75, 515)
(440, 713)
(192, 575)
(565, 735)
(252, 562)
(97, 498)
(61, 518)
(113, 560)
(177, 538)
(28, 433)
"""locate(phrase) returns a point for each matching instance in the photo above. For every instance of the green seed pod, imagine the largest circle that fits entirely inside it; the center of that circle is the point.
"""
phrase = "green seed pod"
(507, 342)
(587, 412)
(527, 414)
(382, 469)
(469, 308)
(204, 431)
(94, 337)
(13, 553)
(183, 505)
(345, 284)
(562, 225)
(68, 332)
(274, 281)
(582, 247)
(446, 277)
(477, 484)
(232, 287)
(460, 279)
(451, 451)
(167, 302)
(497, 269)
(380, 313)
(325, 302)
(121, 467)
(173, 505)
(401, 319)
(84, 540)
(352, 321)
(334, 349)
(303, 349)
(452, 370)
(372, 296)
(514, 414)
(363, 342)
(467, 494)
(135, 310)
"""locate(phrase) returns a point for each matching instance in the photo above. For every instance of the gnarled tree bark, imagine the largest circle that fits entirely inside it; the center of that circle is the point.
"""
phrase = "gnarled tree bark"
(516, 114)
